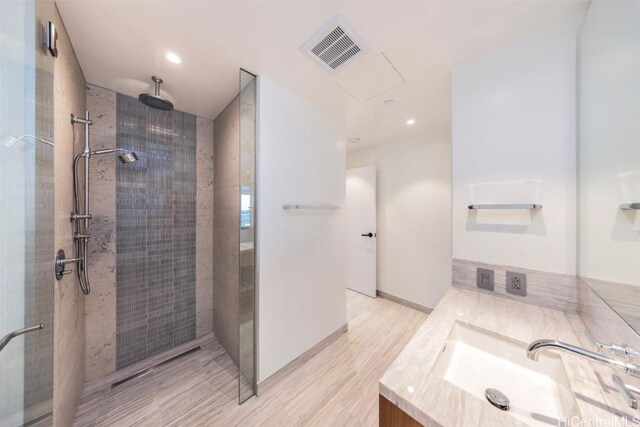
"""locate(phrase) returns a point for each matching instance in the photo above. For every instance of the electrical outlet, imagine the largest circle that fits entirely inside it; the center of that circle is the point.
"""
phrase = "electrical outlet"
(484, 278)
(516, 283)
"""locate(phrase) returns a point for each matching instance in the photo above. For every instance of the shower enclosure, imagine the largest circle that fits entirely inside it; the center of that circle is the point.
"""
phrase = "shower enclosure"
(172, 257)
(26, 212)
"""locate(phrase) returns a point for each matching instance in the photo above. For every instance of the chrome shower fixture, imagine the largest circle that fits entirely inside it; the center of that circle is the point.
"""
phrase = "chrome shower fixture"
(155, 100)
(125, 157)
(81, 219)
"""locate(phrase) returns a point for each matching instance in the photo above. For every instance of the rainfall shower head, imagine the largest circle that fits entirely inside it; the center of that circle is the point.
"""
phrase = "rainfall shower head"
(156, 101)
(127, 158)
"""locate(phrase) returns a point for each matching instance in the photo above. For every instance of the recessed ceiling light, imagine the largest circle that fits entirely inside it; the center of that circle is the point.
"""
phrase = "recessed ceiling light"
(410, 122)
(388, 102)
(172, 57)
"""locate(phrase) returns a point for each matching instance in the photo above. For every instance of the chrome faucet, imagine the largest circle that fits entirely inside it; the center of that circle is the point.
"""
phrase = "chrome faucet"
(538, 346)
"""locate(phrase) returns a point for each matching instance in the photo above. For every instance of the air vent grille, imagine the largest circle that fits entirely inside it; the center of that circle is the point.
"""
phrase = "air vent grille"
(353, 51)
(336, 48)
(334, 44)
(328, 41)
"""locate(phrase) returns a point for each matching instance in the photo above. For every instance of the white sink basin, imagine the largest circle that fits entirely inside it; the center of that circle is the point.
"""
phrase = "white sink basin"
(474, 360)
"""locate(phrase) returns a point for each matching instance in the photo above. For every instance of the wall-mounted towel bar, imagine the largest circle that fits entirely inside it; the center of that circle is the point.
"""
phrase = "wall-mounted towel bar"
(330, 207)
(507, 206)
(630, 206)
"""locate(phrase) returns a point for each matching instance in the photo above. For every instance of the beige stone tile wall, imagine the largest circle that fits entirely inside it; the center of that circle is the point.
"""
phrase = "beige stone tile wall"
(69, 301)
(204, 226)
(101, 303)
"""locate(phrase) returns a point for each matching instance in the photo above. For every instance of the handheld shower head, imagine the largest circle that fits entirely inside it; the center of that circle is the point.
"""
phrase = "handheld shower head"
(127, 158)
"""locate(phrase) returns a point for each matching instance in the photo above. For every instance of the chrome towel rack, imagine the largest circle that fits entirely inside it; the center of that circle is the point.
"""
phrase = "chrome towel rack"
(325, 207)
(532, 206)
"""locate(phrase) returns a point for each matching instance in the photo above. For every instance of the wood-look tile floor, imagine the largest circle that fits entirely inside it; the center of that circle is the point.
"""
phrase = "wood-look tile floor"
(336, 387)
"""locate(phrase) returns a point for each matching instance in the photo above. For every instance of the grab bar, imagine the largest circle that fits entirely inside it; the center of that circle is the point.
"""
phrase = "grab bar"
(12, 335)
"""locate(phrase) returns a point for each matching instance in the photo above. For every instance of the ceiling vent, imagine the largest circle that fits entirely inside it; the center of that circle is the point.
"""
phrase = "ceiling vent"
(335, 45)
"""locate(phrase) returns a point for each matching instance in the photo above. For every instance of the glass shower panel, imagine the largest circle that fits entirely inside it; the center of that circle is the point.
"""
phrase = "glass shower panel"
(26, 215)
(246, 332)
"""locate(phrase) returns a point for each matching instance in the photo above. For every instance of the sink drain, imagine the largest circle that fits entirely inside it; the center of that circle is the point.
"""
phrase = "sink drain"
(497, 399)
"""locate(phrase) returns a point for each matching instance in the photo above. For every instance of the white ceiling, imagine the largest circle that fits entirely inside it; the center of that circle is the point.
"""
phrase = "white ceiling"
(120, 44)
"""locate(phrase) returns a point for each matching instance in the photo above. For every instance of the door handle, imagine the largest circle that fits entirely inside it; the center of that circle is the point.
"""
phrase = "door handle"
(367, 235)
(12, 335)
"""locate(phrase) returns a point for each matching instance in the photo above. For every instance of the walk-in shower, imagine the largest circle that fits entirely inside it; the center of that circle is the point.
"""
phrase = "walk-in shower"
(81, 219)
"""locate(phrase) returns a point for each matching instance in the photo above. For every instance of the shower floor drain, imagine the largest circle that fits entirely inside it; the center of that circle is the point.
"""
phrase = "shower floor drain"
(144, 372)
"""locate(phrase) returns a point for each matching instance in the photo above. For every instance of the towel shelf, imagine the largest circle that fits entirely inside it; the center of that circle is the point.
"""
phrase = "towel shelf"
(507, 206)
(630, 206)
(329, 207)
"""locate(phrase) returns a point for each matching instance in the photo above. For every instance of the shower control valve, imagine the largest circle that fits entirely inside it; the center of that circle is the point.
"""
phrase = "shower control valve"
(61, 262)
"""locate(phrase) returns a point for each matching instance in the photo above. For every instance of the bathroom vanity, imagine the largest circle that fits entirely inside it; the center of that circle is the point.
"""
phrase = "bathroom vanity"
(469, 362)
(472, 342)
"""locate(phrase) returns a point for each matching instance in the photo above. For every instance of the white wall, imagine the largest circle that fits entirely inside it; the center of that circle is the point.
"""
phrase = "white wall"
(301, 259)
(514, 141)
(414, 217)
(610, 142)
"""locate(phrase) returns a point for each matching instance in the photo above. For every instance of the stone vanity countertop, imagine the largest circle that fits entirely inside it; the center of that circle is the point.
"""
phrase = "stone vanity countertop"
(431, 400)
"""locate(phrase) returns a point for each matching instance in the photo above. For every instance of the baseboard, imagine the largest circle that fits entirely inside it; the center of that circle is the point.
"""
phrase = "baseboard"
(402, 301)
(298, 361)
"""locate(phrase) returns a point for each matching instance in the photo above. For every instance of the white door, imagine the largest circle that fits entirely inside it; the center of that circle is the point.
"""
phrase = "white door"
(361, 230)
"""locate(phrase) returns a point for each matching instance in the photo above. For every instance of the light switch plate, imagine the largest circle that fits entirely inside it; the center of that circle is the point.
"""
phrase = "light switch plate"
(516, 283)
(484, 278)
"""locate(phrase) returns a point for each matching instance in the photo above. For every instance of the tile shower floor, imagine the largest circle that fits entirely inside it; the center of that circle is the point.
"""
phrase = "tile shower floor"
(338, 386)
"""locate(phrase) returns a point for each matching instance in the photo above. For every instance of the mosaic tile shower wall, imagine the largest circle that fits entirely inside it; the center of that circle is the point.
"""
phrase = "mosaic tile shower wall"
(156, 230)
